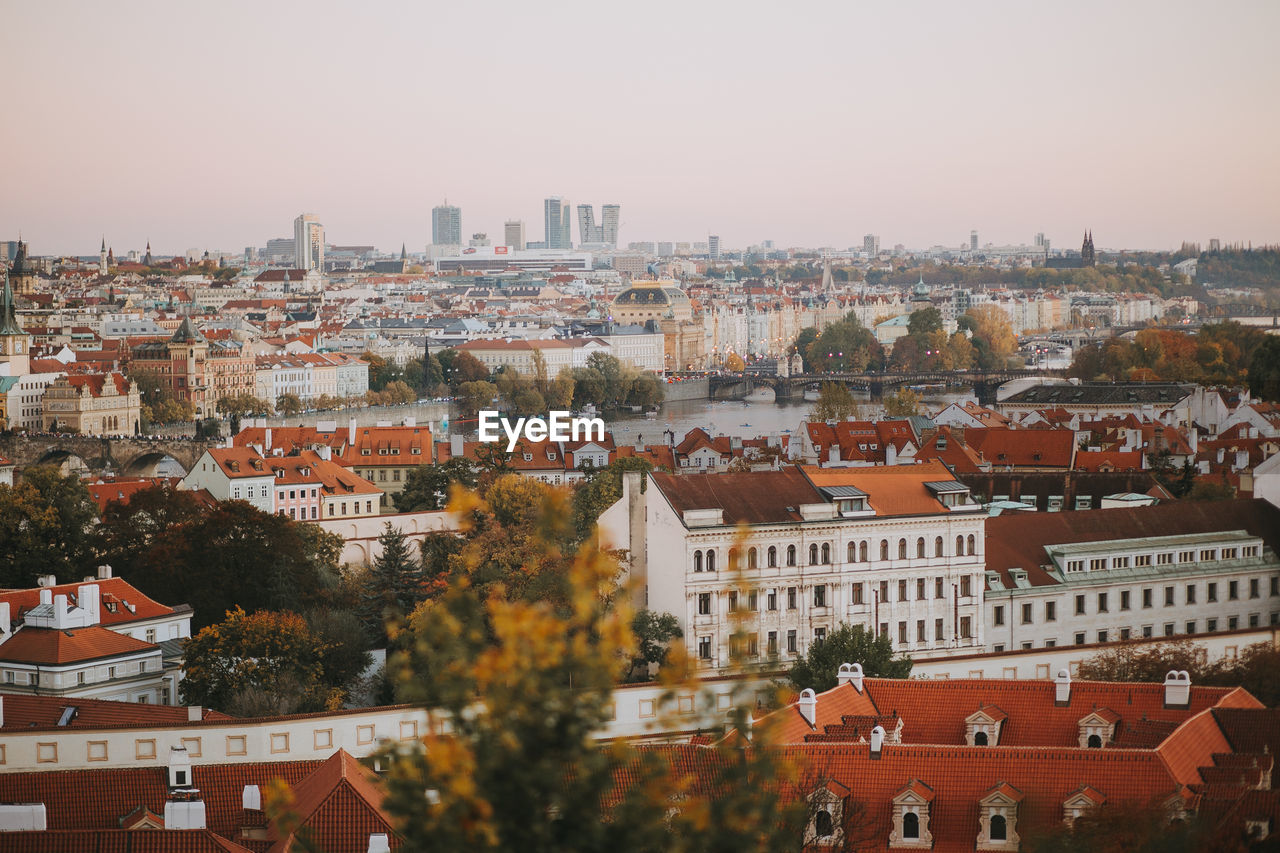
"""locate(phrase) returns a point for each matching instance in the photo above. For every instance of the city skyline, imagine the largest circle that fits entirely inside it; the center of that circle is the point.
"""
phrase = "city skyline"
(966, 118)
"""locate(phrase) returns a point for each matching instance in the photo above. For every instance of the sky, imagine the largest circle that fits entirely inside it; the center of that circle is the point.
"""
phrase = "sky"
(214, 125)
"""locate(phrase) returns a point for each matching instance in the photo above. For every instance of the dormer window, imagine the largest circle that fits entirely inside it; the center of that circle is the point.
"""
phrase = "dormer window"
(1097, 729)
(528, 457)
(826, 810)
(998, 818)
(911, 807)
(982, 727)
(551, 454)
(1080, 803)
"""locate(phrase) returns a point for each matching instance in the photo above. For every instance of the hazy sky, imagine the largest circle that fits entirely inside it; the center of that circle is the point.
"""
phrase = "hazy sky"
(213, 125)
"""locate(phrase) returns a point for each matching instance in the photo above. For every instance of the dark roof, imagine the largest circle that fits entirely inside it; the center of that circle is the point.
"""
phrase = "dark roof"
(1018, 540)
(187, 333)
(758, 497)
(1092, 394)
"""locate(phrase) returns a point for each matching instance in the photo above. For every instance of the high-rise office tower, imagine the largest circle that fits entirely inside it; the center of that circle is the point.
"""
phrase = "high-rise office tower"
(557, 223)
(588, 231)
(609, 215)
(446, 225)
(973, 241)
(713, 247)
(871, 245)
(513, 234)
(603, 235)
(308, 243)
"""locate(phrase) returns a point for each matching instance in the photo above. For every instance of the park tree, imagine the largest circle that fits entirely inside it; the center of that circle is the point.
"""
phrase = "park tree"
(465, 367)
(835, 403)
(46, 527)
(289, 404)
(473, 396)
(993, 337)
(806, 337)
(253, 659)
(646, 391)
(924, 320)
(902, 403)
(426, 488)
(847, 644)
(844, 346)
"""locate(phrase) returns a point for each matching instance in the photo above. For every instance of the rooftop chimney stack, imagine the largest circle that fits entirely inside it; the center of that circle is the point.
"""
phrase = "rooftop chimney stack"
(251, 798)
(1062, 688)
(1177, 689)
(808, 705)
(456, 447)
(5, 623)
(351, 432)
(877, 741)
(850, 673)
(104, 573)
(379, 842)
(195, 713)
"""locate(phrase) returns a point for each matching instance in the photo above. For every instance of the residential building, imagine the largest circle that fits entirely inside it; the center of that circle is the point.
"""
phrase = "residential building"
(446, 225)
(800, 550)
(713, 247)
(234, 474)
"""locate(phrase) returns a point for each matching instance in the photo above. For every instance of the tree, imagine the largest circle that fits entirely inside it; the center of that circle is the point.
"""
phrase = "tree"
(393, 585)
(1264, 370)
(993, 337)
(654, 633)
(1135, 661)
(274, 653)
(1257, 669)
(426, 488)
(465, 367)
(646, 391)
(902, 403)
(844, 346)
(345, 655)
(474, 396)
(46, 527)
(600, 489)
(847, 644)
(289, 404)
(924, 320)
(129, 529)
(806, 337)
(835, 403)
(734, 363)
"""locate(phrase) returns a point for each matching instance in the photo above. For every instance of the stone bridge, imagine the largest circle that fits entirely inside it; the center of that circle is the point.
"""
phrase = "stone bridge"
(127, 455)
(983, 382)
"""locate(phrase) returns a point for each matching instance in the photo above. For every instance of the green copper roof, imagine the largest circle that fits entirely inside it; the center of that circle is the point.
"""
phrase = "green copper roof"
(8, 317)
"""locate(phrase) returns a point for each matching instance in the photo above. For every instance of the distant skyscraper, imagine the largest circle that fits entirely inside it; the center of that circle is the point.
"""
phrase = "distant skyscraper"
(609, 215)
(513, 234)
(871, 245)
(558, 225)
(666, 249)
(446, 225)
(1215, 244)
(588, 231)
(713, 247)
(308, 243)
(973, 241)
(606, 233)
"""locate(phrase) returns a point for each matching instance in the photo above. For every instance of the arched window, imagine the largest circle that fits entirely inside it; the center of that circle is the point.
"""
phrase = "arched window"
(826, 554)
(884, 549)
(823, 826)
(920, 547)
(862, 551)
(853, 552)
(999, 828)
(1094, 742)
(959, 546)
(902, 549)
(937, 547)
(751, 558)
(813, 555)
(697, 561)
(735, 559)
(791, 555)
(911, 825)
(773, 557)
(711, 560)
(980, 739)
(972, 551)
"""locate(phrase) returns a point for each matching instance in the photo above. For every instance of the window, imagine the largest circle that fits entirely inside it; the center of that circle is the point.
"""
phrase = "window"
(1146, 631)
(1119, 562)
(1124, 599)
(751, 558)
(937, 547)
(1084, 502)
(862, 551)
(1102, 602)
(704, 604)
(1211, 592)
(151, 635)
(884, 591)
(823, 826)
(921, 635)
(791, 555)
(733, 601)
(1102, 636)
(911, 825)
(1124, 633)
(1191, 593)
(1142, 561)
(826, 554)
(1233, 622)
(1079, 638)
(697, 561)
(753, 601)
(1253, 620)
(813, 555)
(1026, 614)
(772, 600)
(855, 593)
(1208, 554)
(902, 633)
(966, 627)
(773, 557)
(920, 547)
(711, 560)
(959, 546)
(919, 589)
(772, 643)
(1051, 611)
(704, 648)
(852, 552)
(1075, 565)
(819, 634)
(997, 616)
(1191, 627)
(902, 549)
(791, 642)
(1098, 564)
(966, 586)
(939, 590)
(791, 598)
(1164, 559)
(902, 590)
(999, 828)
(1254, 591)
(820, 595)
(753, 645)
(1168, 629)
(1211, 625)
(939, 630)
(884, 549)
(972, 542)
(1079, 605)
(1146, 597)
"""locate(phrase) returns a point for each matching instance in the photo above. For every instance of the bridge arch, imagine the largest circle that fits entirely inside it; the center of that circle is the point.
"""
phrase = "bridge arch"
(67, 461)
(145, 464)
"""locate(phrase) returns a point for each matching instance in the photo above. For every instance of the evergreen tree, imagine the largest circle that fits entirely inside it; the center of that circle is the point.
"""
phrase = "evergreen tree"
(393, 585)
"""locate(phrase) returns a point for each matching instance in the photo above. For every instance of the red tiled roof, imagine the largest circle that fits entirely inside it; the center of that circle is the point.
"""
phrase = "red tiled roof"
(119, 841)
(114, 591)
(340, 803)
(54, 646)
(1024, 448)
(27, 712)
(891, 489)
(762, 497)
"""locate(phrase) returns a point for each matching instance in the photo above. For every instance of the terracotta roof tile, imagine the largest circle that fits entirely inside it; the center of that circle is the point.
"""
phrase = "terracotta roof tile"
(53, 646)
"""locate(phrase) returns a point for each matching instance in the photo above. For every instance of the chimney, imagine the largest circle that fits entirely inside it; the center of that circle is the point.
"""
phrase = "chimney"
(456, 447)
(890, 453)
(60, 612)
(379, 842)
(410, 422)
(195, 713)
(2, 702)
(179, 771)
(184, 814)
(850, 673)
(23, 817)
(1062, 688)
(89, 603)
(808, 705)
(251, 798)
(46, 580)
(351, 432)
(46, 594)
(877, 741)
(266, 441)
(1177, 689)
(326, 453)
(104, 573)
(5, 623)
(1242, 460)
(833, 454)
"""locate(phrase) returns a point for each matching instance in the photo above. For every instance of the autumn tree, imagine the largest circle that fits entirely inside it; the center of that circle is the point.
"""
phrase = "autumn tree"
(835, 403)
(238, 663)
(46, 527)
(653, 633)
(289, 404)
(902, 403)
(844, 346)
(601, 488)
(847, 644)
(474, 396)
(1137, 661)
(993, 339)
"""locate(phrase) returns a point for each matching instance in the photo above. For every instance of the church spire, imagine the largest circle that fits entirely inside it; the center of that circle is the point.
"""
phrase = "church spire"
(8, 314)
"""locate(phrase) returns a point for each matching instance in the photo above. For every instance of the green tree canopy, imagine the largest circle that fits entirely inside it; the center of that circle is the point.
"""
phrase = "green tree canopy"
(426, 488)
(847, 644)
(46, 527)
